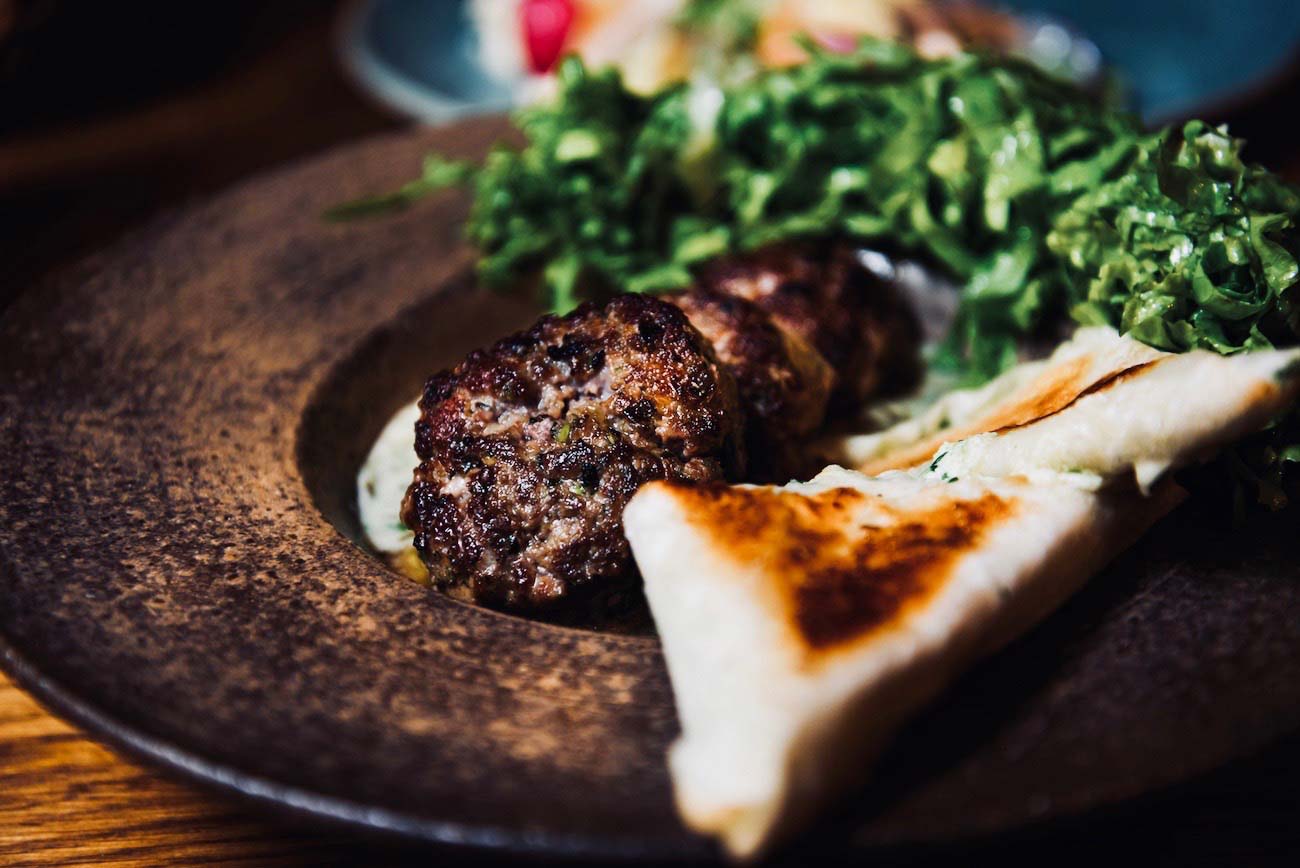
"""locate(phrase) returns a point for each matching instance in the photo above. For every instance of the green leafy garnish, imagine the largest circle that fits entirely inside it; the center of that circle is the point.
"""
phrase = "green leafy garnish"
(1190, 248)
(1033, 196)
(437, 174)
(1038, 200)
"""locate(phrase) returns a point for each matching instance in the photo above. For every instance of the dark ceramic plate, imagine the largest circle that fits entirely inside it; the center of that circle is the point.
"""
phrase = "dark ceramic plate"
(181, 419)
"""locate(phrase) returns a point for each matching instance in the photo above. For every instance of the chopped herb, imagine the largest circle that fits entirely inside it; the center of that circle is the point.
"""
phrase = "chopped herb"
(1190, 248)
(562, 432)
(438, 173)
(963, 160)
(1033, 195)
(1039, 200)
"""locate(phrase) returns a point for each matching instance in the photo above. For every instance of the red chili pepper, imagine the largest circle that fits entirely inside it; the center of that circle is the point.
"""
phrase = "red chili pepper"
(546, 25)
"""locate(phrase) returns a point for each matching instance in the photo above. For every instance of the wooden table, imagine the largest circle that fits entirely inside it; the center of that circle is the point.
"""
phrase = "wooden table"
(67, 800)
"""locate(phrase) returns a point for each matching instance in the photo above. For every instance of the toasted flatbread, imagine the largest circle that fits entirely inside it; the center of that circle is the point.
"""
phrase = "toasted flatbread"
(1166, 412)
(1027, 392)
(802, 624)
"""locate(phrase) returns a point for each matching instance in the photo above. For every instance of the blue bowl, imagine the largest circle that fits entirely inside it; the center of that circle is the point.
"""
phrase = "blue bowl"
(419, 57)
(1177, 57)
(1183, 57)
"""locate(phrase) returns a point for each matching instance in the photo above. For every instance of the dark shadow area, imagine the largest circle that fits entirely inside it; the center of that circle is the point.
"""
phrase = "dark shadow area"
(111, 112)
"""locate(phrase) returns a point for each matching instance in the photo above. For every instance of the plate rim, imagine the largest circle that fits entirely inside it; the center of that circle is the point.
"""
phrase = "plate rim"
(168, 758)
(167, 755)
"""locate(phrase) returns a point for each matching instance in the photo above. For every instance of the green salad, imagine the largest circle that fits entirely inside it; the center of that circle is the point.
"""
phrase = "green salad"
(1041, 202)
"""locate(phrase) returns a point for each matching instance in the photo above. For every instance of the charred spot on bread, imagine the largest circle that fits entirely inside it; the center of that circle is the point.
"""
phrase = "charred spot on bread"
(842, 565)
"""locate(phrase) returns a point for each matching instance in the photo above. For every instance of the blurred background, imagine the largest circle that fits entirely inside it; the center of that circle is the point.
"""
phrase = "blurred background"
(110, 112)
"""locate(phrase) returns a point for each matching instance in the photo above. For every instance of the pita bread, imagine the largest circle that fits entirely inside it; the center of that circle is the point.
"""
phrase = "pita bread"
(802, 624)
(1166, 412)
(1026, 392)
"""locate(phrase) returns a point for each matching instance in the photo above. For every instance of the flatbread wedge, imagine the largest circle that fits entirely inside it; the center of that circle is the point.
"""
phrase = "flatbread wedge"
(1027, 392)
(803, 624)
(1102, 403)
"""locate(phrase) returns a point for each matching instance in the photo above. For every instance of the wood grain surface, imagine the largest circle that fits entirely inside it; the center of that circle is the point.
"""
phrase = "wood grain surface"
(67, 799)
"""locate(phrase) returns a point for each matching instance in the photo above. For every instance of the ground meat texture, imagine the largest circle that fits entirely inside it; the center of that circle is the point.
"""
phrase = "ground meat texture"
(530, 449)
(823, 294)
(783, 382)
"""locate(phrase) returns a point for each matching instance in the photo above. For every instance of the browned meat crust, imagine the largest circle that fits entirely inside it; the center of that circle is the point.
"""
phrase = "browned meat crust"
(821, 293)
(783, 382)
(530, 449)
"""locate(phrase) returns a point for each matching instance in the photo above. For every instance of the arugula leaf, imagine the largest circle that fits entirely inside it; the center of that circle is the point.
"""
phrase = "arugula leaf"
(1040, 201)
(1190, 248)
(438, 173)
(950, 159)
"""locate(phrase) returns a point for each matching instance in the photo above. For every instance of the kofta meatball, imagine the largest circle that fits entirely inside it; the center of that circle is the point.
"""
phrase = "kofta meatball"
(783, 382)
(530, 449)
(821, 292)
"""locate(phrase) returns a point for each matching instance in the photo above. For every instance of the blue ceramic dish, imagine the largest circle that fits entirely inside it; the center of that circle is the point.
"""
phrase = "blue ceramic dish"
(1177, 57)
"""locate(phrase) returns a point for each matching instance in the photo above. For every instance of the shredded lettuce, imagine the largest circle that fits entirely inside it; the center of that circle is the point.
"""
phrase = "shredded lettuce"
(964, 161)
(1190, 248)
(1037, 199)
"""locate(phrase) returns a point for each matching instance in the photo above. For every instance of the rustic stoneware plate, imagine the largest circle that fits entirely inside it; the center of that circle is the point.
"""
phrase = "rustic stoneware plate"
(181, 419)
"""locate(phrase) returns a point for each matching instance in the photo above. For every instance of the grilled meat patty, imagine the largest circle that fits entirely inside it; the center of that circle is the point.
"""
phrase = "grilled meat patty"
(783, 382)
(530, 449)
(821, 293)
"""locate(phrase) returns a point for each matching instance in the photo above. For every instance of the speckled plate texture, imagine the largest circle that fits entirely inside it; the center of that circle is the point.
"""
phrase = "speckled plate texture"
(181, 419)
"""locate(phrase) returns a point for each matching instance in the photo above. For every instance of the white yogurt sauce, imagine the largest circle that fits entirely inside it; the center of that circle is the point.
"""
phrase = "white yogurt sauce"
(383, 480)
